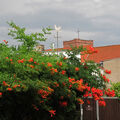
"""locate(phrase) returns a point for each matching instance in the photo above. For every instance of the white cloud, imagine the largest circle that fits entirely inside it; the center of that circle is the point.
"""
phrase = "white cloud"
(14, 7)
(97, 1)
(86, 8)
(95, 18)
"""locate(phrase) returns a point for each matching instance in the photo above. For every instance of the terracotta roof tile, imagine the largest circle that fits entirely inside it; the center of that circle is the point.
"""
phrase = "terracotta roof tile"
(66, 48)
(105, 53)
(59, 49)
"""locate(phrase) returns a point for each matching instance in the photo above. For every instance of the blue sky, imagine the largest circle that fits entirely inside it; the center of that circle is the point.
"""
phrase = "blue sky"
(97, 20)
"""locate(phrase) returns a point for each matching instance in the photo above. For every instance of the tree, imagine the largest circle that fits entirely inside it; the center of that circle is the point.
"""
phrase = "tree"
(28, 40)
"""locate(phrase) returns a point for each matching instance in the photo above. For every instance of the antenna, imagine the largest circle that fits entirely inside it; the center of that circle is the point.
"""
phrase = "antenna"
(78, 31)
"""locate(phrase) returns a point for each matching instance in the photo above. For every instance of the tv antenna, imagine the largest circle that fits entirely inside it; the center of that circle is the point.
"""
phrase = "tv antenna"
(78, 31)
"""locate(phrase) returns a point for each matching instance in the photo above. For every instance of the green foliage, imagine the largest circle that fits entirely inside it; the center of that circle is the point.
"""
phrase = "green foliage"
(36, 86)
(72, 54)
(25, 74)
(28, 40)
(116, 88)
(25, 81)
(89, 71)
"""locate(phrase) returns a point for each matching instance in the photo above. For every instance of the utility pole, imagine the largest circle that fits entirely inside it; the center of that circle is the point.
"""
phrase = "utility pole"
(57, 41)
(57, 35)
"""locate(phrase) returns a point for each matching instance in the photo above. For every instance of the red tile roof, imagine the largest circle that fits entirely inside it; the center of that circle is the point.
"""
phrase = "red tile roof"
(105, 53)
(67, 48)
(59, 49)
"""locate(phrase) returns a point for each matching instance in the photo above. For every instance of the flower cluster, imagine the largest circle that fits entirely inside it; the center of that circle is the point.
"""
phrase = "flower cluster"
(97, 93)
(91, 50)
(110, 93)
(45, 93)
(102, 103)
(108, 71)
(105, 78)
(5, 41)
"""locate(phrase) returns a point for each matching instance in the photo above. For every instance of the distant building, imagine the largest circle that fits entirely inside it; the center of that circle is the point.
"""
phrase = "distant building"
(39, 48)
(107, 56)
(67, 46)
(77, 43)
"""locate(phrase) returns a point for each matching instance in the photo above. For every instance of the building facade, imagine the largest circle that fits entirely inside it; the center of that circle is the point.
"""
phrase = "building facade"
(77, 43)
(114, 66)
(107, 56)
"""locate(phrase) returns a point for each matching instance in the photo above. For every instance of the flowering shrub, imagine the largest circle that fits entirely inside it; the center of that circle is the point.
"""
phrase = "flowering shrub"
(36, 86)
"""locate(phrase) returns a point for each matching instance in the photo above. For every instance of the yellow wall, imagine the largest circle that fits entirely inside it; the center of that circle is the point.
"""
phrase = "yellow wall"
(114, 66)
